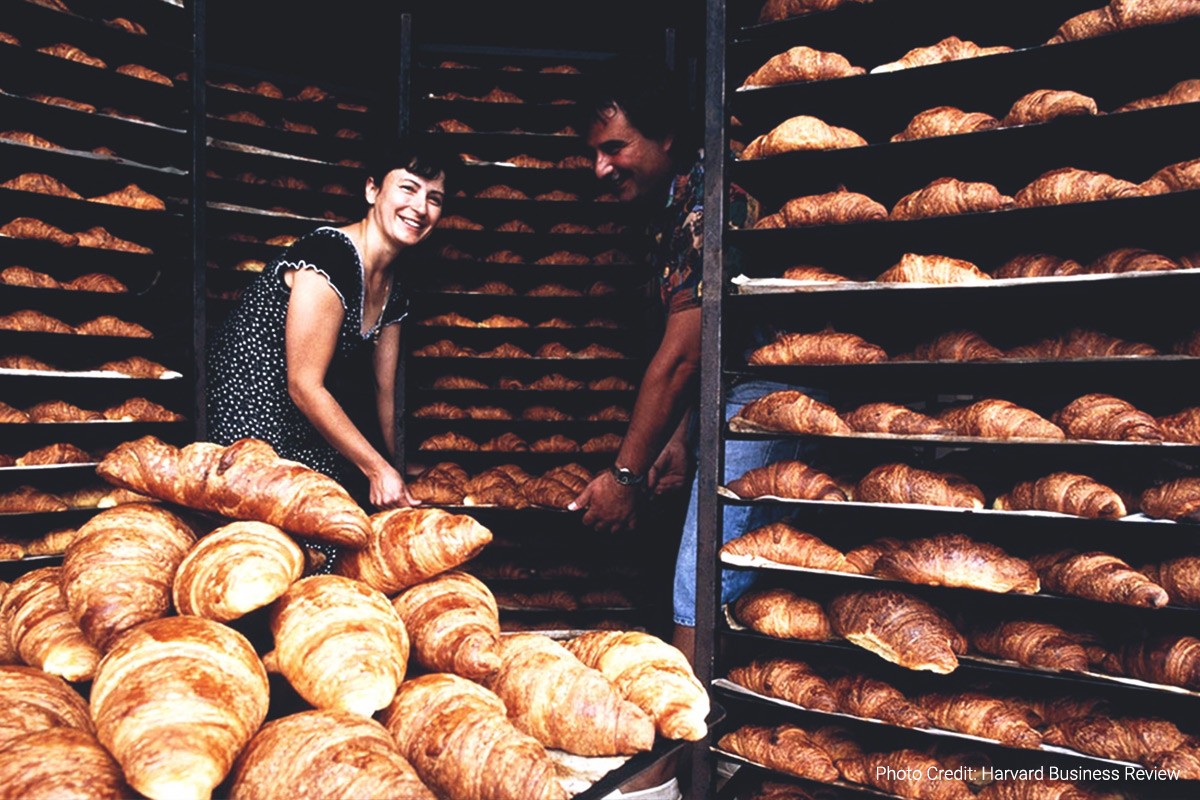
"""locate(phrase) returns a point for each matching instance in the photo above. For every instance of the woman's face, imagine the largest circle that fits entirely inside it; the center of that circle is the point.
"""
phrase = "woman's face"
(406, 207)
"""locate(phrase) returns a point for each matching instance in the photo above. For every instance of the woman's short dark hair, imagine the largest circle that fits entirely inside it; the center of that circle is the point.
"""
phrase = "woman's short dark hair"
(652, 98)
(421, 158)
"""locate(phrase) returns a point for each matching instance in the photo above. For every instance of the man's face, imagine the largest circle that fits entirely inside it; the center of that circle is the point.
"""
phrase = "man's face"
(627, 163)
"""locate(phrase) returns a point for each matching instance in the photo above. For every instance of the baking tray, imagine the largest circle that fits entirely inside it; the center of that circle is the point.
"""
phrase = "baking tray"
(231, 158)
(306, 202)
(329, 149)
(475, 461)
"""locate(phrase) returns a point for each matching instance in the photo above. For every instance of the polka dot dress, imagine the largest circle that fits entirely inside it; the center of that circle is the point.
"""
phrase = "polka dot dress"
(247, 360)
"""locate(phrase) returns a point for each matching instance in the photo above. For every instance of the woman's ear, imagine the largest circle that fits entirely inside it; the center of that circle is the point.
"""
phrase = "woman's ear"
(371, 191)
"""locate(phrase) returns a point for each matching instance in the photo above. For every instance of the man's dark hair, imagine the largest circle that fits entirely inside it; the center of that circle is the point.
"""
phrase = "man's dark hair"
(422, 159)
(652, 98)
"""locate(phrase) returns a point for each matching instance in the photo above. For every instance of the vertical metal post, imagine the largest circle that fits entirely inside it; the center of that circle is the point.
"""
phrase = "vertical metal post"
(712, 400)
(199, 145)
(402, 128)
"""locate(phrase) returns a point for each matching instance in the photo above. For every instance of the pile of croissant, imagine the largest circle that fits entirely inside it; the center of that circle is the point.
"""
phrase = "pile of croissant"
(557, 258)
(455, 320)
(135, 409)
(444, 348)
(142, 608)
(538, 413)
(95, 237)
(505, 486)
(32, 321)
(554, 381)
(512, 443)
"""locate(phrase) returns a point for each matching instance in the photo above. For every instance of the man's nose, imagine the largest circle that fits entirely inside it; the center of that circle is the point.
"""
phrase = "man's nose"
(603, 165)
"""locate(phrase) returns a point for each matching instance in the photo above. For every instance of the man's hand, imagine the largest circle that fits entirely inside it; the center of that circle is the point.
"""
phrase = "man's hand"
(388, 489)
(610, 506)
(670, 469)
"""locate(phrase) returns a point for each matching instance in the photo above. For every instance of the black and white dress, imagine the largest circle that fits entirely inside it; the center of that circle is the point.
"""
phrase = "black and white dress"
(247, 360)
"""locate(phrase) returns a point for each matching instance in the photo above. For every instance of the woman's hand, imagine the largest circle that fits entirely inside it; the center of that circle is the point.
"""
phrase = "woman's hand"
(388, 489)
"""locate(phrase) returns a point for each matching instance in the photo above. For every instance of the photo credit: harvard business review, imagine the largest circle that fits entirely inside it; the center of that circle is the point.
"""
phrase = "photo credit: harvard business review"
(988, 774)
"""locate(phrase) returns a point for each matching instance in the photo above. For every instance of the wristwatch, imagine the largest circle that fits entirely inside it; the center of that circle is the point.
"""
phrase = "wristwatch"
(626, 476)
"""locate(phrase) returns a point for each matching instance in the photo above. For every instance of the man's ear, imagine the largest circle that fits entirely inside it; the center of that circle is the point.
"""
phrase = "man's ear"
(667, 141)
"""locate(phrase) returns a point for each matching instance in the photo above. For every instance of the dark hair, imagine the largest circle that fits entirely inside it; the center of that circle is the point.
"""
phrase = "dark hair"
(652, 98)
(422, 159)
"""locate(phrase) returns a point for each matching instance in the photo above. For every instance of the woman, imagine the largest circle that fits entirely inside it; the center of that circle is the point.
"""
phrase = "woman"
(328, 296)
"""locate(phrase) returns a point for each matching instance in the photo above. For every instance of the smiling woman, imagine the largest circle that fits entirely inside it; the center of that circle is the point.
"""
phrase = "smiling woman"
(315, 307)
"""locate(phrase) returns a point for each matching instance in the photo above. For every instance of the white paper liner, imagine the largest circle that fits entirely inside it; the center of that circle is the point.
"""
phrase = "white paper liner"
(578, 773)
(747, 285)
(91, 464)
(169, 375)
(262, 213)
(857, 787)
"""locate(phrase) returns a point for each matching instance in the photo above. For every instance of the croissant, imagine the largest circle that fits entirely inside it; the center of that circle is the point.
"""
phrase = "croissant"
(41, 183)
(945, 121)
(1102, 416)
(339, 643)
(449, 441)
(132, 196)
(1125, 739)
(1180, 577)
(458, 737)
(801, 64)
(1070, 185)
(96, 282)
(495, 487)
(1080, 343)
(31, 321)
(1135, 13)
(52, 543)
(867, 697)
(900, 483)
(784, 748)
(1170, 660)
(555, 382)
(834, 208)
(948, 196)
(245, 480)
(1178, 500)
(790, 479)
(911, 773)
(1186, 91)
(553, 599)
(610, 384)
(783, 544)
(786, 679)
(40, 629)
(1043, 105)
(776, 10)
(32, 700)
(458, 382)
(24, 276)
(1185, 763)
(595, 350)
(793, 411)
(899, 628)
(28, 500)
(652, 675)
(135, 367)
(175, 700)
(320, 754)
(824, 347)
(941, 270)
(1189, 346)
(441, 484)
(1098, 576)
(58, 453)
(1000, 419)
(505, 350)
(564, 257)
(955, 346)
(980, 715)
(1064, 493)
(1131, 259)
(25, 363)
(1088, 25)
(555, 444)
(801, 133)
(452, 320)
(454, 626)
(1174, 178)
(72, 53)
(782, 614)
(139, 409)
(810, 273)
(949, 49)
(548, 493)
(29, 139)
(440, 410)
(957, 560)
(610, 414)
(100, 238)
(894, 419)
(1037, 265)
(58, 763)
(235, 569)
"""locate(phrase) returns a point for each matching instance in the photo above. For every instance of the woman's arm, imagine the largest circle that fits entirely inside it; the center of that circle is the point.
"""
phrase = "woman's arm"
(310, 336)
(387, 355)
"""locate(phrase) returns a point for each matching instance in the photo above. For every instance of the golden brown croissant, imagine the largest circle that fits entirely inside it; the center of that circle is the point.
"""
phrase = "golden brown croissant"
(1102, 416)
(824, 347)
(41, 630)
(320, 754)
(495, 487)
(610, 414)
(458, 382)
(784, 748)
(41, 183)
(246, 480)
(1037, 265)
(117, 574)
(899, 628)
(784, 544)
(488, 412)
(1131, 259)
(595, 350)
(440, 410)
(1135, 13)
(652, 675)
(894, 419)
(1180, 577)
(1186, 91)
(139, 409)
(913, 268)
(505, 350)
(801, 64)
(562, 703)
(458, 737)
(235, 569)
(945, 121)
(1189, 346)
(555, 444)
(1000, 419)
(135, 367)
(98, 237)
(980, 715)
(563, 257)
(453, 624)
(24, 276)
(441, 484)
(72, 53)
(845, 751)
(132, 196)
(28, 500)
(58, 453)
(175, 700)
(52, 543)
(949, 49)
(1064, 493)
(58, 763)
(1184, 763)
(954, 346)
(60, 411)
(449, 441)
(911, 773)
(949, 196)
(1098, 576)
(776, 10)
(1178, 500)
(1032, 644)
(900, 483)
(794, 412)
(782, 614)
(25, 363)
(957, 560)
(1070, 185)
(506, 443)
(9, 414)
(801, 133)
(786, 679)
(1174, 178)
(453, 320)
(1125, 738)
(1080, 343)
(1043, 105)
(833, 208)
(32, 700)
(1170, 660)
(804, 272)
(339, 643)
(30, 321)
(1088, 25)
(790, 479)
(96, 282)
(555, 382)
(612, 383)
(867, 697)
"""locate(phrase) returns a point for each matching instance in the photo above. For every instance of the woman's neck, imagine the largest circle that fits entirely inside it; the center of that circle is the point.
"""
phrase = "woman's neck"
(373, 248)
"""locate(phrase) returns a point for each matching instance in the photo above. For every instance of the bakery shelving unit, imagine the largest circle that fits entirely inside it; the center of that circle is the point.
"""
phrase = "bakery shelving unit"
(568, 579)
(1114, 70)
(103, 130)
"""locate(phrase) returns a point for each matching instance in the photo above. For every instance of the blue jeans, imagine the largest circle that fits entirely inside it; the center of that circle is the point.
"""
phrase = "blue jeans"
(740, 457)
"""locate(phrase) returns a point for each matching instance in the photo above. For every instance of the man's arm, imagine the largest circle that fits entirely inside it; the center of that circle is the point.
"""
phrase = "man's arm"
(665, 394)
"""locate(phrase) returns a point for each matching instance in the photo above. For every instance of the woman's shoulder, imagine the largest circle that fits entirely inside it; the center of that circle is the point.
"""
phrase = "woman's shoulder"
(323, 244)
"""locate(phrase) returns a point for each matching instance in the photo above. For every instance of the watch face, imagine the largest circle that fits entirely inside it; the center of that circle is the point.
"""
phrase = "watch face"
(625, 476)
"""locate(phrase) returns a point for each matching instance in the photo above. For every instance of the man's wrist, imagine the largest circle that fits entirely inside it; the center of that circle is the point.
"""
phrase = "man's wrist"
(627, 477)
